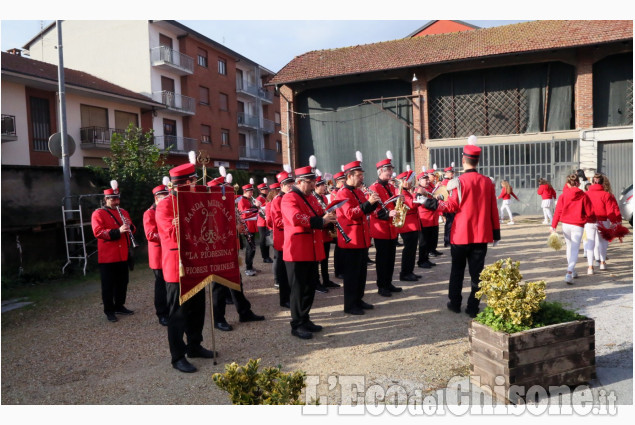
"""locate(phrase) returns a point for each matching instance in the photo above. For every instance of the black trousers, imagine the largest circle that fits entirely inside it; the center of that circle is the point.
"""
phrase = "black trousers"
(428, 238)
(281, 277)
(220, 293)
(337, 260)
(474, 255)
(250, 252)
(264, 248)
(449, 219)
(160, 294)
(302, 279)
(114, 285)
(385, 261)
(409, 253)
(187, 318)
(355, 269)
(324, 264)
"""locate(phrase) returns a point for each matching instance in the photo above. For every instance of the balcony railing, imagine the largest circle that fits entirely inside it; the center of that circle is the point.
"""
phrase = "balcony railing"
(179, 145)
(97, 137)
(175, 102)
(243, 87)
(167, 58)
(257, 154)
(268, 126)
(246, 120)
(265, 95)
(8, 128)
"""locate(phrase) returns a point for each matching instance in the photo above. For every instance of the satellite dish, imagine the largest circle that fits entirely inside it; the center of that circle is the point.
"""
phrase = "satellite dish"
(55, 145)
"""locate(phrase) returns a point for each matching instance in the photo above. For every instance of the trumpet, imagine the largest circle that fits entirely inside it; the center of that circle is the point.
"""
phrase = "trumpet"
(338, 226)
(124, 221)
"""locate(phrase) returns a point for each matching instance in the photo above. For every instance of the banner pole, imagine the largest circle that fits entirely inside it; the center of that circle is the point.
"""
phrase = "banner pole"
(211, 319)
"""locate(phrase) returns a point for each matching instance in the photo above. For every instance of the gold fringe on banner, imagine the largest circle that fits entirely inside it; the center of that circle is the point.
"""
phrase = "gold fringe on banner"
(202, 284)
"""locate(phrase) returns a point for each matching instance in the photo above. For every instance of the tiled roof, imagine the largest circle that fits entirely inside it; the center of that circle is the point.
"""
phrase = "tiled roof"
(30, 67)
(410, 52)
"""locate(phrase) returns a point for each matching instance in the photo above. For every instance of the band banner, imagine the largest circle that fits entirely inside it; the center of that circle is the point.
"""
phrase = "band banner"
(207, 240)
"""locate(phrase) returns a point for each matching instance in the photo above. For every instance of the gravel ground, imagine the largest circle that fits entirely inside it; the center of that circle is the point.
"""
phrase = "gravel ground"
(64, 351)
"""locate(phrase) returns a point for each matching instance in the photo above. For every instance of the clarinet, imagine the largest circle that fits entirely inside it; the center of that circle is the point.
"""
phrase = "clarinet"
(123, 220)
(260, 212)
(367, 191)
(347, 239)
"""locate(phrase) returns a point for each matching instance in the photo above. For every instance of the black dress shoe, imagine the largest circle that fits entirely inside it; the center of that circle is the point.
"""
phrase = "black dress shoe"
(267, 260)
(355, 310)
(285, 304)
(436, 253)
(472, 312)
(301, 333)
(331, 284)
(393, 288)
(223, 326)
(202, 353)
(418, 276)
(321, 288)
(251, 317)
(184, 366)
(312, 327)
(365, 306)
(384, 292)
(123, 310)
(453, 308)
(163, 321)
(111, 317)
(409, 278)
(369, 261)
(339, 276)
(425, 265)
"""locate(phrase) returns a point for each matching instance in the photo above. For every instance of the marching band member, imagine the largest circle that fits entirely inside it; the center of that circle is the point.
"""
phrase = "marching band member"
(429, 225)
(382, 230)
(261, 222)
(285, 179)
(410, 230)
(154, 252)
(303, 223)
(274, 190)
(110, 226)
(449, 217)
(220, 293)
(320, 191)
(475, 225)
(547, 193)
(339, 179)
(246, 205)
(506, 193)
(187, 318)
(352, 217)
(432, 186)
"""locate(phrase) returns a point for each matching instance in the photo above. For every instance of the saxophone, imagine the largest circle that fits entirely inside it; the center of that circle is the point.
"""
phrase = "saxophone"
(402, 209)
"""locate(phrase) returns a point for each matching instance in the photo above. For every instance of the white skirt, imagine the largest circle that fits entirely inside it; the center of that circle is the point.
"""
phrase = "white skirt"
(546, 203)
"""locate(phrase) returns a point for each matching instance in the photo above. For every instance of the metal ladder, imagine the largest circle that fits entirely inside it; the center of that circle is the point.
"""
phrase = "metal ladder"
(76, 246)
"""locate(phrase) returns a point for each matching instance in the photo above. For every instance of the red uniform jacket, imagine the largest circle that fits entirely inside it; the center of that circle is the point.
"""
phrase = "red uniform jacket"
(352, 218)
(261, 222)
(243, 205)
(574, 207)
(152, 235)
(302, 227)
(604, 204)
(276, 222)
(506, 196)
(380, 224)
(169, 238)
(268, 221)
(412, 223)
(546, 192)
(112, 246)
(476, 219)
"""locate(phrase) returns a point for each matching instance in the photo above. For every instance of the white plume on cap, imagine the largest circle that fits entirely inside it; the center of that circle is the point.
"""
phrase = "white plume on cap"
(423, 168)
(229, 178)
(166, 180)
(389, 155)
(287, 168)
(222, 171)
(192, 156)
(114, 184)
(251, 180)
(318, 172)
(434, 167)
(407, 167)
(452, 164)
(342, 167)
(358, 155)
(312, 161)
(472, 140)
(264, 180)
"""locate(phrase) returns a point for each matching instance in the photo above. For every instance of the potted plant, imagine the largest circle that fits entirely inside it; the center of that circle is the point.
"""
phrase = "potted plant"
(519, 340)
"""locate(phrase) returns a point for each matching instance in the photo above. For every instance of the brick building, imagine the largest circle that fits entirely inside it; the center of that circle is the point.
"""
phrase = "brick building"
(544, 97)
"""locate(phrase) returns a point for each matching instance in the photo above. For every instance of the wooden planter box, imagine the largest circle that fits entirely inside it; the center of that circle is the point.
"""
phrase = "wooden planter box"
(555, 355)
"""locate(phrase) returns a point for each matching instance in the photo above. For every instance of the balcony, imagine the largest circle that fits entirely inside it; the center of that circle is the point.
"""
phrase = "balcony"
(170, 60)
(265, 95)
(179, 145)
(8, 128)
(182, 105)
(249, 121)
(258, 154)
(243, 87)
(97, 137)
(268, 126)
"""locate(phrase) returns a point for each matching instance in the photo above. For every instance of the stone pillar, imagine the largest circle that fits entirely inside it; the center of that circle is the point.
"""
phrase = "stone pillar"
(288, 127)
(420, 122)
(584, 109)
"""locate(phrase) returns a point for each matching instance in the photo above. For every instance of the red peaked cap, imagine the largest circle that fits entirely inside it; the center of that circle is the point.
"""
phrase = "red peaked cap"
(284, 177)
(338, 176)
(274, 186)
(262, 186)
(423, 174)
(110, 193)
(248, 187)
(472, 151)
(216, 182)
(319, 181)
(182, 171)
(351, 166)
(405, 175)
(304, 172)
(384, 163)
(160, 189)
(448, 169)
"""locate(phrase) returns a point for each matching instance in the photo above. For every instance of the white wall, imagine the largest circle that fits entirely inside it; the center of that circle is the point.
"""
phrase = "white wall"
(14, 103)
